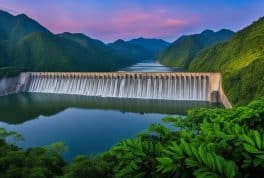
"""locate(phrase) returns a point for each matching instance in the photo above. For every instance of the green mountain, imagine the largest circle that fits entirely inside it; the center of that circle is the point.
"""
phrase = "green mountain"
(83, 40)
(25, 45)
(241, 61)
(154, 46)
(140, 48)
(133, 51)
(181, 52)
(94, 45)
(13, 28)
(47, 52)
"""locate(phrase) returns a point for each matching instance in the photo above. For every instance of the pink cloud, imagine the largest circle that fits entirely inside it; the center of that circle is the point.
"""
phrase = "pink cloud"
(174, 22)
(118, 25)
(126, 23)
(135, 23)
(112, 19)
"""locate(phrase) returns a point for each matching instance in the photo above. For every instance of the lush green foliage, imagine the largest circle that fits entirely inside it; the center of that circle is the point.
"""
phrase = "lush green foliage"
(224, 143)
(181, 52)
(240, 60)
(83, 167)
(208, 143)
(35, 162)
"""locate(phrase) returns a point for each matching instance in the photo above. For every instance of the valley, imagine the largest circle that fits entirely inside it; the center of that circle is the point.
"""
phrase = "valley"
(114, 89)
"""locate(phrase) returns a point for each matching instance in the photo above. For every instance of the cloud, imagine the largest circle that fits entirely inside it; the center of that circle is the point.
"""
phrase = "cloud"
(126, 23)
(110, 20)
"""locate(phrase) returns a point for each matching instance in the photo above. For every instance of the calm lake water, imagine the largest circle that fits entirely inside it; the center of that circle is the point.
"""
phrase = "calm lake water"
(87, 125)
(150, 66)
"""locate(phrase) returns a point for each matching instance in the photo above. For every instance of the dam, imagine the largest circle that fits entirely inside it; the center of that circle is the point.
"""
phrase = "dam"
(151, 85)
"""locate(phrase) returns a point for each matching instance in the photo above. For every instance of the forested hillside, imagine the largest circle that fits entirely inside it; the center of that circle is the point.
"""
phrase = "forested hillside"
(181, 52)
(241, 62)
(25, 45)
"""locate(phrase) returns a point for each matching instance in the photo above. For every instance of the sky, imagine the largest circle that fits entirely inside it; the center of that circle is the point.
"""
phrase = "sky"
(109, 20)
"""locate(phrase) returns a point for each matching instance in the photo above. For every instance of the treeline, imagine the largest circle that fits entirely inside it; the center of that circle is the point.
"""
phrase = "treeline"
(207, 143)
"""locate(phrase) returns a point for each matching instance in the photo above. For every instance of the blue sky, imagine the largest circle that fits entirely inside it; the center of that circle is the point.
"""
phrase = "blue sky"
(109, 20)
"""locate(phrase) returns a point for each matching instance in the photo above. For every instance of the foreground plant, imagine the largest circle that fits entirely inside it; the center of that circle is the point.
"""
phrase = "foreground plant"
(208, 143)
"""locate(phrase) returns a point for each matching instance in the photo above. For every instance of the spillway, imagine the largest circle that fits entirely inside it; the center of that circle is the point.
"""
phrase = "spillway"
(163, 86)
(167, 87)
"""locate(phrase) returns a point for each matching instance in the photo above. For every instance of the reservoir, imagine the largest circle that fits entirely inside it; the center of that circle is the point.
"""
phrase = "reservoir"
(87, 125)
(150, 66)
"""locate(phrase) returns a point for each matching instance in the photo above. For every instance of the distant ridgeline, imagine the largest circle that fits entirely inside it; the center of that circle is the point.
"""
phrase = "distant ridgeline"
(26, 45)
(240, 59)
(181, 52)
(161, 86)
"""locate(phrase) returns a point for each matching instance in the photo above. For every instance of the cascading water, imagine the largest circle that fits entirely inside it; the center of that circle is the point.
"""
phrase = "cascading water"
(172, 87)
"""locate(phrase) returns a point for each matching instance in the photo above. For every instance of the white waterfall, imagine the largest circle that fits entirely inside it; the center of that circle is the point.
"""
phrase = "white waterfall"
(172, 87)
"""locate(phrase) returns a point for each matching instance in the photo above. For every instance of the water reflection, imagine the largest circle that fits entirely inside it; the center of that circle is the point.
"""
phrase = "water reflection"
(88, 125)
(19, 108)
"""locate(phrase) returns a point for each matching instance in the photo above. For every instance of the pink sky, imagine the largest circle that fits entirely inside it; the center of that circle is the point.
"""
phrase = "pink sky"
(114, 19)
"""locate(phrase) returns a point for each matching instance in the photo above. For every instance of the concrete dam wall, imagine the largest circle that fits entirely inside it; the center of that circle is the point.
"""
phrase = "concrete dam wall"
(164, 86)
(13, 84)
